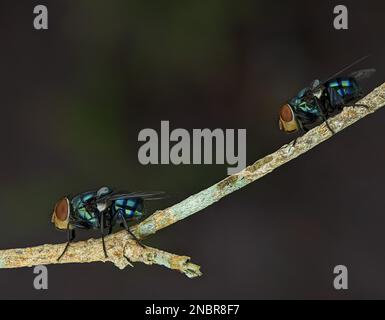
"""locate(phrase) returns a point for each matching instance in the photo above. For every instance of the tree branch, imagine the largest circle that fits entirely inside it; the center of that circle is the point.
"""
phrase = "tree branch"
(122, 250)
(164, 218)
(120, 246)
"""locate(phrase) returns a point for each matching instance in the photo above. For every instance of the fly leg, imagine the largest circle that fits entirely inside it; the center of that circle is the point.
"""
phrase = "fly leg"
(102, 232)
(324, 116)
(327, 124)
(112, 221)
(303, 130)
(294, 142)
(70, 238)
(131, 234)
(129, 261)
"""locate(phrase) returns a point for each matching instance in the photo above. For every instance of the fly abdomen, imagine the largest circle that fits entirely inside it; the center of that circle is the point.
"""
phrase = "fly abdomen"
(341, 91)
(131, 208)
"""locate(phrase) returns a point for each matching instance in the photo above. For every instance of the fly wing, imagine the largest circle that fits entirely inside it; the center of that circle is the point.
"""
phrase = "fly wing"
(362, 74)
(315, 84)
(154, 195)
(358, 75)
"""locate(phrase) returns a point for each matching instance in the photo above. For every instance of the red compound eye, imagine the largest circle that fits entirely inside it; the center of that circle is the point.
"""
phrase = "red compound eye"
(286, 113)
(61, 210)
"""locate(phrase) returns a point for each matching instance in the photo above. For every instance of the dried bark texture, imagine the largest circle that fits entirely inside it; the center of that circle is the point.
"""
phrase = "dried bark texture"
(163, 218)
(120, 245)
(122, 250)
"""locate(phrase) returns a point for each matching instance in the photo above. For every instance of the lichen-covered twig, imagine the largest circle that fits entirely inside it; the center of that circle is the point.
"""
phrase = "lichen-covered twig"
(163, 218)
(122, 251)
(120, 246)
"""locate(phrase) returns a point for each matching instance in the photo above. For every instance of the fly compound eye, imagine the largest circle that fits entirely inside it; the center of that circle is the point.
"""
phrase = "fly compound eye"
(62, 210)
(286, 114)
(287, 121)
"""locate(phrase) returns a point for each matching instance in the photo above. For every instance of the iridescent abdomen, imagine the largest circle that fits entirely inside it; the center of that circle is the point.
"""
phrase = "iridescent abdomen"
(131, 208)
(347, 90)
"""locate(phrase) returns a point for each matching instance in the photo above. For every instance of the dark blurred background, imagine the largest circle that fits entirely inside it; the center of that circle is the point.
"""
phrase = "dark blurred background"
(74, 98)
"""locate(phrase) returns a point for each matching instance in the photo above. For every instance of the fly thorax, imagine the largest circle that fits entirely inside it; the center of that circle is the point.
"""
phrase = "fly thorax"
(103, 191)
(318, 93)
(101, 206)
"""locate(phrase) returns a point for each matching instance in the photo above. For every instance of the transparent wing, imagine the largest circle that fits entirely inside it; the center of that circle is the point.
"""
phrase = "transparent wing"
(152, 195)
(362, 74)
